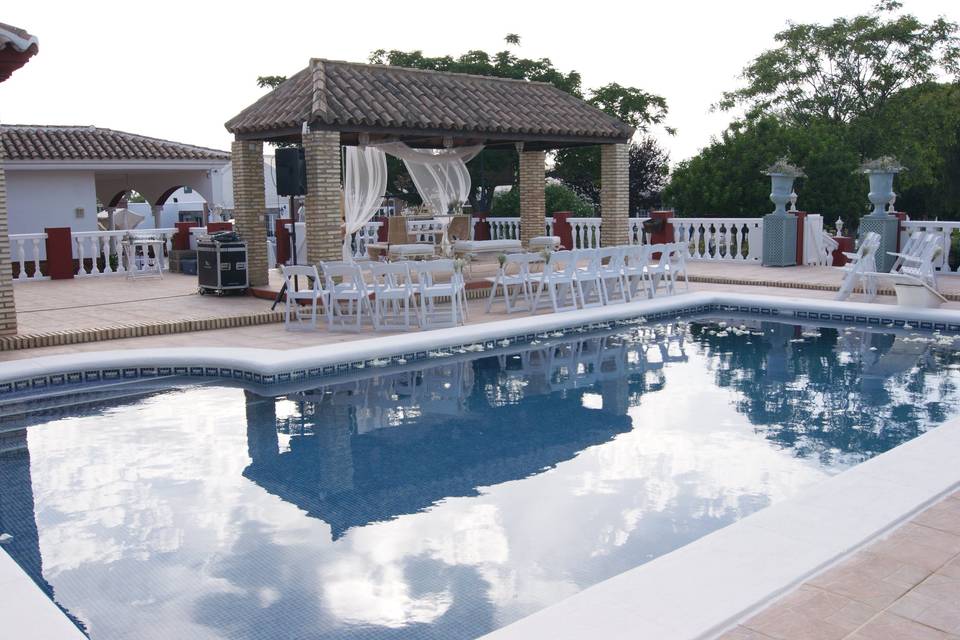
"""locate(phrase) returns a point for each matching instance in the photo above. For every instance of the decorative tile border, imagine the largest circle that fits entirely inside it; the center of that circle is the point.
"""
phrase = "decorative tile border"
(11, 389)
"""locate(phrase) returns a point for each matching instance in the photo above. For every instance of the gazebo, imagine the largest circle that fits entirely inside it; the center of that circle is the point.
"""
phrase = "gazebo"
(330, 104)
(16, 47)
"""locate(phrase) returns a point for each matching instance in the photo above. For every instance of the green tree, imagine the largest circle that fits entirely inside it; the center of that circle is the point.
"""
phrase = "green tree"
(558, 198)
(579, 169)
(848, 69)
(726, 178)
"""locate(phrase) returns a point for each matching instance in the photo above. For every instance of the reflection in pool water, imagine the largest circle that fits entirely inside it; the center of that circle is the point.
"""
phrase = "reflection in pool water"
(445, 501)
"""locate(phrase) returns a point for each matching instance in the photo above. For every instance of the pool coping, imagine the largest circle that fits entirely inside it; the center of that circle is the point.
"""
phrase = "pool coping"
(697, 591)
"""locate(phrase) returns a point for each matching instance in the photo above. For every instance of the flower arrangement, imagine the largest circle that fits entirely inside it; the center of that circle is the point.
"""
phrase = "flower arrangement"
(545, 253)
(501, 259)
(784, 167)
(458, 265)
(883, 164)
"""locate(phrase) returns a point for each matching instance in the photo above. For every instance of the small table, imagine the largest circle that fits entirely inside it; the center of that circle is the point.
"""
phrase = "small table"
(140, 264)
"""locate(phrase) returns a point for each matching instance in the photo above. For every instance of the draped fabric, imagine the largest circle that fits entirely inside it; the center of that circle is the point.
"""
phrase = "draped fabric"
(440, 175)
(365, 183)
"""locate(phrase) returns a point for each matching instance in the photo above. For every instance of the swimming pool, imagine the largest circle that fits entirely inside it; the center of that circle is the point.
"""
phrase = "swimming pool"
(447, 497)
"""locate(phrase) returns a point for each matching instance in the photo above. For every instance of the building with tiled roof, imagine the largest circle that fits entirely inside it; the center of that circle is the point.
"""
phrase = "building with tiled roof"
(398, 102)
(58, 175)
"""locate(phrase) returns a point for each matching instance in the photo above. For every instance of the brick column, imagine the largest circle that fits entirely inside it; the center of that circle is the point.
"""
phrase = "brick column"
(8, 309)
(614, 195)
(533, 204)
(322, 205)
(248, 206)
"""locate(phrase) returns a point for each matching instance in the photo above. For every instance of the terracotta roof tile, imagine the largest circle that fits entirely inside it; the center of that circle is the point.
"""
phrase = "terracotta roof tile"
(361, 96)
(43, 142)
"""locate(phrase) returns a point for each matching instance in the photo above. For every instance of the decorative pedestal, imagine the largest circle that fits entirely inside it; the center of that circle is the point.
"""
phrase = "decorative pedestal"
(888, 227)
(779, 240)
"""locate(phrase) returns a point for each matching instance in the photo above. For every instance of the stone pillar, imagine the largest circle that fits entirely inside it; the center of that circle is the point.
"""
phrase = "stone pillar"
(248, 206)
(614, 195)
(533, 202)
(157, 211)
(8, 309)
(322, 213)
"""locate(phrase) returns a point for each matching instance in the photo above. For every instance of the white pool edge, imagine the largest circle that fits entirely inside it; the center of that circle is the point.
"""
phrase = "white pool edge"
(694, 592)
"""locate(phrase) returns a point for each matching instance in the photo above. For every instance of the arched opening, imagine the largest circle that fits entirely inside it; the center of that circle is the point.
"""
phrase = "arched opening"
(181, 203)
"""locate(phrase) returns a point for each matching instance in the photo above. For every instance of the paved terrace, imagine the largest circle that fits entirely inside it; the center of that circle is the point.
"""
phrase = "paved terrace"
(904, 586)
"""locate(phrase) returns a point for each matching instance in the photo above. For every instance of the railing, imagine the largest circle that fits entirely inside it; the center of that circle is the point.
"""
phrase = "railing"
(97, 253)
(585, 232)
(504, 228)
(720, 239)
(944, 229)
(361, 239)
(18, 245)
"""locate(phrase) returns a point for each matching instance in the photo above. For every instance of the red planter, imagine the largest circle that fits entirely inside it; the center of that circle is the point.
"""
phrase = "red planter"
(563, 229)
(59, 247)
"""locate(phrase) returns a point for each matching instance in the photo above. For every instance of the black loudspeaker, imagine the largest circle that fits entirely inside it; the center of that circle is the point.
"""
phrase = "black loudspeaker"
(291, 172)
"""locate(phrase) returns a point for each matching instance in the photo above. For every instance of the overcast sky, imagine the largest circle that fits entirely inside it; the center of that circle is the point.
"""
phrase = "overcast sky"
(179, 70)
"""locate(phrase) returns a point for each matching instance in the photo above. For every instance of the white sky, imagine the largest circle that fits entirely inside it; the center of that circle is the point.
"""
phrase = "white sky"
(179, 70)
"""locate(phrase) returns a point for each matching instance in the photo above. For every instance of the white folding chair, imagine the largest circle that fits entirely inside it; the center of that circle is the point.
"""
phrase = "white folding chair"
(347, 288)
(437, 281)
(677, 265)
(861, 267)
(393, 295)
(589, 283)
(658, 270)
(558, 280)
(513, 273)
(314, 294)
(921, 262)
(612, 279)
(636, 259)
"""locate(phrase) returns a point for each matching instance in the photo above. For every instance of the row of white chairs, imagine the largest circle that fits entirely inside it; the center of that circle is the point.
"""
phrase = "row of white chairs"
(388, 295)
(587, 277)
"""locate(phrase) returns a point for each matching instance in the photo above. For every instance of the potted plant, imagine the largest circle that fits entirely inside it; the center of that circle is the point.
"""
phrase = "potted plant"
(782, 175)
(880, 172)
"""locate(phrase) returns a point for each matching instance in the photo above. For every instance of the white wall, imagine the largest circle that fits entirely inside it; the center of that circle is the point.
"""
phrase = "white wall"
(39, 199)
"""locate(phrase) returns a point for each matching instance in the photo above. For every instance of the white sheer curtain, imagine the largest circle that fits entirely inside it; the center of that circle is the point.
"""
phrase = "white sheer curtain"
(365, 183)
(440, 175)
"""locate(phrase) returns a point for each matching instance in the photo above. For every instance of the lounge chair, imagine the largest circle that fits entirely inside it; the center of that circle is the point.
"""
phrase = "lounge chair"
(861, 268)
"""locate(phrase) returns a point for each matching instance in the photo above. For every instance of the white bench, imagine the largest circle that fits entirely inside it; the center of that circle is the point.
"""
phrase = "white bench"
(475, 247)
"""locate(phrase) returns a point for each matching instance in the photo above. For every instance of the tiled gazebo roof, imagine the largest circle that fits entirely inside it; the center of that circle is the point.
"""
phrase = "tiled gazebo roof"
(387, 101)
(45, 142)
(16, 47)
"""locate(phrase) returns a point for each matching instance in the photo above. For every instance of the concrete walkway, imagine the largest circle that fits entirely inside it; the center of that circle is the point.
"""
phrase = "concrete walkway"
(905, 586)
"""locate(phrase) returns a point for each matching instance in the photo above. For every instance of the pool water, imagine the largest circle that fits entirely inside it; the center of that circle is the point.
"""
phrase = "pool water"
(447, 500)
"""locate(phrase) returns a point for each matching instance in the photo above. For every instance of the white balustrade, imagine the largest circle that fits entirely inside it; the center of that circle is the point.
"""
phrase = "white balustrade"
(504, 228)
(549, 225)
(944, 229)
(366, 235)
(636, 234)
(720, 239)
(585, 232)
(25, 249)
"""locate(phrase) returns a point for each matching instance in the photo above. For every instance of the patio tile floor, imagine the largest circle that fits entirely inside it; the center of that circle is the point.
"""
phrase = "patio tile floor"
(905, 585)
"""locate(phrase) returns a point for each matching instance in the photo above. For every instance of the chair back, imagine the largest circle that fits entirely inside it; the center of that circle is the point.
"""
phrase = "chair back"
(664, 250)
(636, 255)
(391, 275)
(561, 263)
(308, 271)
(612, 258)
(429, 271)
(592, 259)
(349, 275)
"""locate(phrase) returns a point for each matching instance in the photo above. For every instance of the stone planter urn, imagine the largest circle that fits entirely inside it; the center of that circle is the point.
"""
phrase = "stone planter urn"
(780, 227)
(880, 173)
(781, 189)
(881, 192)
